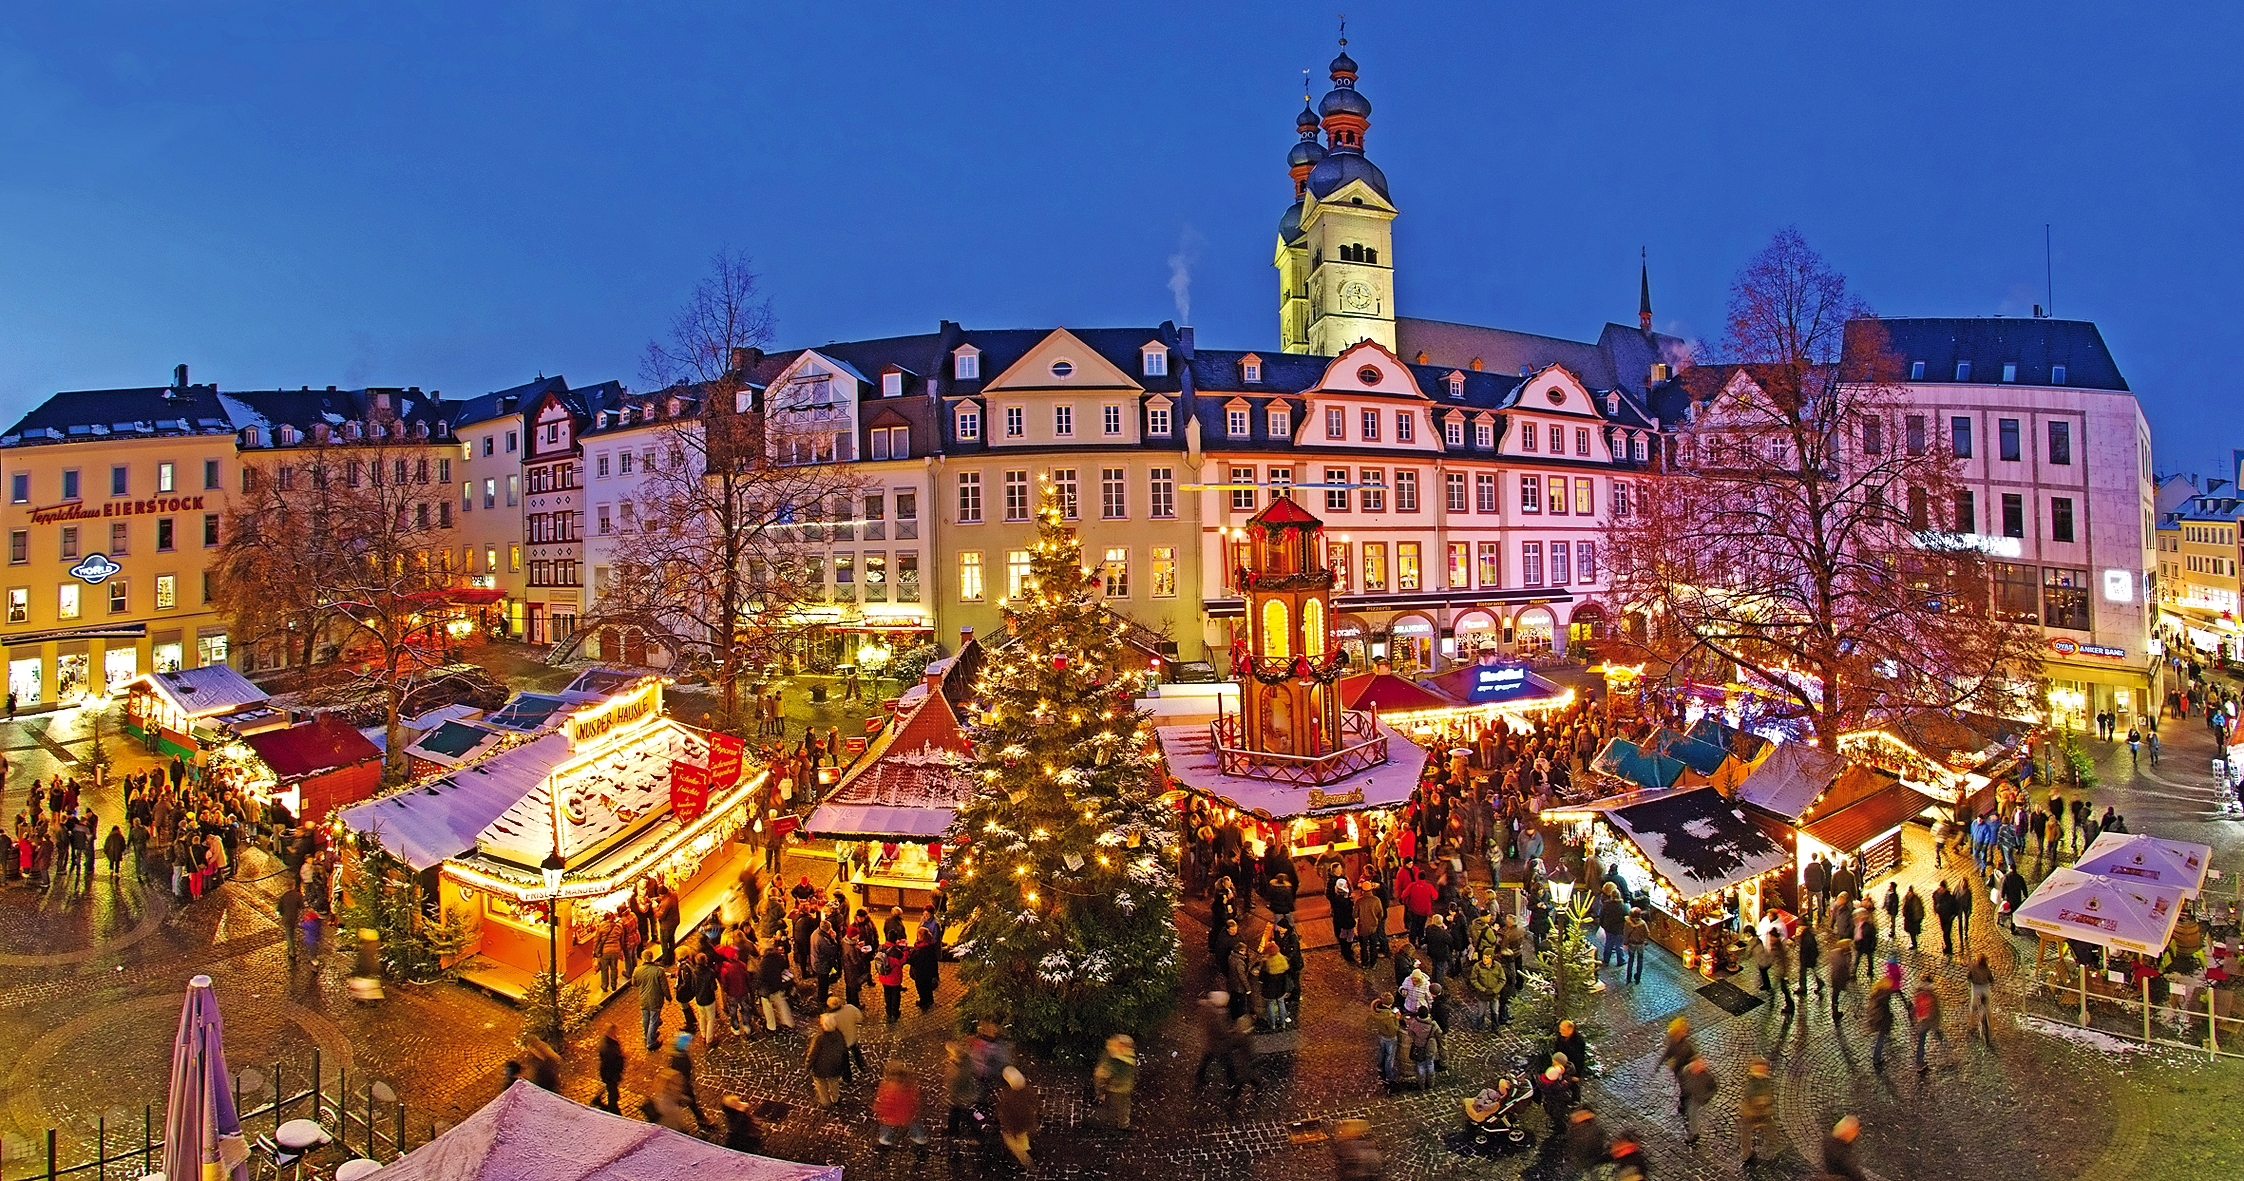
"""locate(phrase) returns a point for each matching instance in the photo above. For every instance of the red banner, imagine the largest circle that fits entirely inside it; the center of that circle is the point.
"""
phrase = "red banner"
(724, 761)
(689, 790)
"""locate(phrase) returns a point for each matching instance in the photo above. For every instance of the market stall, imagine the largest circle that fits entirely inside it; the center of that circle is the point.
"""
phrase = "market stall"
(891, 810)
(1491, 688)
(311, 769)
(1820, 804)
(180, 711)
(448, 744)
(1689, 853)
(1956, 758)
(614, 796)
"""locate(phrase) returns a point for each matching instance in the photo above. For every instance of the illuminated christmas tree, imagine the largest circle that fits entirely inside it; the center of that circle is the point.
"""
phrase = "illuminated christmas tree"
(1067, 879)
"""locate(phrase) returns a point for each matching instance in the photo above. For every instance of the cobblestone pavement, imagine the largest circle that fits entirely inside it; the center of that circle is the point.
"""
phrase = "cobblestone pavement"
(89, 988)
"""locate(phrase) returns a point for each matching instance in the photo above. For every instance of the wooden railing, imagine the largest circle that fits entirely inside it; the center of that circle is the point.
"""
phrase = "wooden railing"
(1299, 770)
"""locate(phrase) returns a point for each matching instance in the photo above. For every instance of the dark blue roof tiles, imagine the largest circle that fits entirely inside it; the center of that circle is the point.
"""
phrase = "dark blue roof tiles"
(1336, 170)
(162, 408)
(2035, 346)
(485, 407)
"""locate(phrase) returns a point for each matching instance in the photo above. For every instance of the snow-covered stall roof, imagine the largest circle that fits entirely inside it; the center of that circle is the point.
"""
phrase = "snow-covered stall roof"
(910, 784)
(1697, 841)
(531, 1134)
(452, 743)
(205, 692)
(432, 822)
(600, 798)
(1797, 781)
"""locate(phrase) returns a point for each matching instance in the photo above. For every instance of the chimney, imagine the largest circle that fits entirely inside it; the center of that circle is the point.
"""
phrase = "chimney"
(179, 378)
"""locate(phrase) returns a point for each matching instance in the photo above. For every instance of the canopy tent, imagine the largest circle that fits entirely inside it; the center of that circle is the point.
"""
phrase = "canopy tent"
(2121, 915)
(531, 1134)
(1498, 687)
(2137, 857)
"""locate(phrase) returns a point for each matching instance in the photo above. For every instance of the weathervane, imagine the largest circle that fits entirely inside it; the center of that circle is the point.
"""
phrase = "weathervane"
(1343, 29)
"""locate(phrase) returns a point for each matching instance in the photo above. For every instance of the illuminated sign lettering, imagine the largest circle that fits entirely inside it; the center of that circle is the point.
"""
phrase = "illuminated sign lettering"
(591, 724)
(2074, 647)
(1320, 798)
(115, 508)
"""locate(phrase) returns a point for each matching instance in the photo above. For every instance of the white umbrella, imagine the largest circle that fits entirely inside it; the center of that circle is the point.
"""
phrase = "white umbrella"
(2154, 860)
(202, 1131)
(2122, 915)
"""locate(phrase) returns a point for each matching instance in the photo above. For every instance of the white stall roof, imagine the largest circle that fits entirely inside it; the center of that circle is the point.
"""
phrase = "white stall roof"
(433, 822)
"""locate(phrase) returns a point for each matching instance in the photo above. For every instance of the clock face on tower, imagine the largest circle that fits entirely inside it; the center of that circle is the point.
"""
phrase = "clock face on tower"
(1357, 297)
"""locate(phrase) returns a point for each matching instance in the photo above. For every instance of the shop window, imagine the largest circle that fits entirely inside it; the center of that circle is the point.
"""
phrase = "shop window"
(2064, 598)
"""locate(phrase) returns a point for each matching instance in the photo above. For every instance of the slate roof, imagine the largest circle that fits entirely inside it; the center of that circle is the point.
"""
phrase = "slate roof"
(485, 407)
(1990, 342)
(155, 410)
(1620, 359)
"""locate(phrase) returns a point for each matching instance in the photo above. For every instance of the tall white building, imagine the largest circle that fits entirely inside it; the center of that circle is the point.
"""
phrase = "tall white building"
(2056, 459)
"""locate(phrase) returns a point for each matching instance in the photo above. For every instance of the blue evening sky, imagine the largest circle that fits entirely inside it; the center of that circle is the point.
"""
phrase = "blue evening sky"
(460, 196)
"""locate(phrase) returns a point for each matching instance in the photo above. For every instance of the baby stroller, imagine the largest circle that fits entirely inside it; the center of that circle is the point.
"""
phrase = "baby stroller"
(1496, 1114)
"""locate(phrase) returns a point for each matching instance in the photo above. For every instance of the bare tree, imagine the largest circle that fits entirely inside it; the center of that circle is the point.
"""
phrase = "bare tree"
(1809, 533)
(741, 504)
(348, 543)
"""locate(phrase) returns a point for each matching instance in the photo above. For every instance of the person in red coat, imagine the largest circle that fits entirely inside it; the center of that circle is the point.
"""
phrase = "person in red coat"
(888, 966)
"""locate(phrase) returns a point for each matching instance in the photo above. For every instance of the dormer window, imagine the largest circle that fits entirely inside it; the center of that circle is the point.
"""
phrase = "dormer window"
(2010, 371)
(892, 385)
(1235, 422)
(351, 429)
(1457, 385)
(1250, 369)
(1155, 360)
(966, 363)
(1916, 371)
(1963, 371)
(1612, 404)
(2056, 375)
(1453, 432)
(1281, 422)
(285, 435)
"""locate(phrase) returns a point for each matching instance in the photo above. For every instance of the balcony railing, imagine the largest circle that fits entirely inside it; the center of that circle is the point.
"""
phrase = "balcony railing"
(1300, 770)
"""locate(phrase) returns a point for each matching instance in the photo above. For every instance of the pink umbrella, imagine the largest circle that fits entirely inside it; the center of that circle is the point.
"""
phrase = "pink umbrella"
(202, 1131)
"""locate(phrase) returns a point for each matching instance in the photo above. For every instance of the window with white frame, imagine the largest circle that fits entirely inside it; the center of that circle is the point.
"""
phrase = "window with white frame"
(1406, 490)
(1371, 426)
(1242, 489)
(1559, 563)
(1374, 490)
(1114, 496)
(1110, 419)
(1156, 361)
(1618, 497)
(1406, 427)
(1336, 423)
(891, 385)
(1557, 499)
(1250, 370)
(1336, 489)
(1585, 561)
(1017, 495)
(1114, 572)
(1281, 423)
(1531, 563)
(1530, 437)
(1161, 499)
(1456, 385)
(1063, 422)
(1484, 435)
(1585, 496)
(1531, 494)
(1281, 483)
(1453, 432)
(1016, 421)
(969, 422)
(1157, 421)
(1484, 492)
(970, 576)
(1558, 439)
(1164, 564)
(1016, 573)
(1581, 440)
(1454, 486)
(969, 498)
(1235, 422)
(1063, 482)
(967, 366)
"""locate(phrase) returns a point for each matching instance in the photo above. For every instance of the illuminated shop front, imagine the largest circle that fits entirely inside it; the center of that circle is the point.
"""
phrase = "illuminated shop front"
(310, 769)
(1824, 804)
(1956, 758)
(618, 795)
(1700, 864)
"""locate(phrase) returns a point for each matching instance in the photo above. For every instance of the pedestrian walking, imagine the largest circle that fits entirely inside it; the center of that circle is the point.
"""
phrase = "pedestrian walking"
(1877, 1017)
(1115, 1078)
(848, 1018)
(611, 1072)
(827, 1056)
(1838, 1150)
(1892, 907)
(1924, 1019)
(1698, 1085)
(1944, 912)
(653, 987)
(1913, 917)
(1018, 1111)
(896, 1107)
(1981, 1012)
(1810, 955)
(960, 1090)
(1635, 936)
(1680, 1051)
(1354, 1158)
(291, 909)
(1756, 1110)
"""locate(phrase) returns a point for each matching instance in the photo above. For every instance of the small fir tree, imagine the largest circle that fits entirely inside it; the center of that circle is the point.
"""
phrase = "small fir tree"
(1065, 879)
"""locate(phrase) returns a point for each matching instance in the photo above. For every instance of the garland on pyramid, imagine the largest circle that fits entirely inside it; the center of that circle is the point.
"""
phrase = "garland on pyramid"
(1066, 876)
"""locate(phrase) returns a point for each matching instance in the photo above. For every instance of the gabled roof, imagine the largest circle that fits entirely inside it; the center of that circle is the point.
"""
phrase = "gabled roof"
(1798, 782)
(432, 822)
(206, 692)
(911, 783)
(1389, 694)
(325, 743)
(1697, 841)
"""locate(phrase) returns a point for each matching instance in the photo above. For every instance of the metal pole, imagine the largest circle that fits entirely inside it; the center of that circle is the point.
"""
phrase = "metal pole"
(399, 1143)
(278, 1092)
(50, 1154)
(369, 1123)
(316, 1073)
(101, 1145)
(2146, 1010)
(342, 1105)
(553, 957)
(2083, 995)
(2212, 1024)
(148, 1133)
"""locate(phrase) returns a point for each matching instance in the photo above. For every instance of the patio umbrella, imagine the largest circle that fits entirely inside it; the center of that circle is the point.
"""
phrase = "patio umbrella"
(2114, 913)
(2144, 858)
(202, 1131)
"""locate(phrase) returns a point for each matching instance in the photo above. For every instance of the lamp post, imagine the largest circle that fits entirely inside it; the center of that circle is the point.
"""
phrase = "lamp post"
(551, 867)
(1562, 893)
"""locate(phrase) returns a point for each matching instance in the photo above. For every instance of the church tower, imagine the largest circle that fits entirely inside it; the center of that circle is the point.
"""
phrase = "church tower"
(1347, 227)
(1293, 246)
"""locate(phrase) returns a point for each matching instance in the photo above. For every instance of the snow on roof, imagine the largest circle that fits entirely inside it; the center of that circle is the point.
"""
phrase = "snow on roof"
(453, 743)
(461, 712)
(1697, 841)
(599, 800)
(1787, 783)
(207, 691)
(325, 743)
(1190, 754)
(911, 783)
(429, 823)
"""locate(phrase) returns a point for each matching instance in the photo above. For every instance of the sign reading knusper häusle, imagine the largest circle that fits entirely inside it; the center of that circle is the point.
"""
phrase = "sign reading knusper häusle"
(79, 511)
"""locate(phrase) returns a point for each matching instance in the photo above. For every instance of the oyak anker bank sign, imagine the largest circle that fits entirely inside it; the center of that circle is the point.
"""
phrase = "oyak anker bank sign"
(80, 511)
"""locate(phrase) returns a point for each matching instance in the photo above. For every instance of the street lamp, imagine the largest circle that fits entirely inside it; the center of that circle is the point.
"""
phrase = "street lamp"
(551, 867)
(1562, 893)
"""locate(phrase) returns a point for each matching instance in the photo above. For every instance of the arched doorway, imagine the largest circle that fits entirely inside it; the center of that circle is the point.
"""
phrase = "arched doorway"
(1586, 627)
(1534, 630)
(1352, 635)
(1476, 632)
(1410, 645)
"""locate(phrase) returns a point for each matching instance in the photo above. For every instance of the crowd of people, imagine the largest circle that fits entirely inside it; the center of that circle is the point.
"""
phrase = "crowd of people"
(180, 830)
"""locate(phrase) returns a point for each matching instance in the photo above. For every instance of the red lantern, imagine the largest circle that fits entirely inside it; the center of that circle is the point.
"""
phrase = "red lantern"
(1059, 661)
